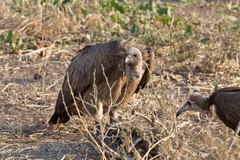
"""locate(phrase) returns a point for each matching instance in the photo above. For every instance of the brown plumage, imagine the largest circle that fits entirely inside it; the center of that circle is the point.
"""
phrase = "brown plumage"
(226, 101)
(94, 71)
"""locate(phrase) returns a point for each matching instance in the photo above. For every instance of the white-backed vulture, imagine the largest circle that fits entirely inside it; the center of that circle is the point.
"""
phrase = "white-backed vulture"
(94, 71)
(226, 101)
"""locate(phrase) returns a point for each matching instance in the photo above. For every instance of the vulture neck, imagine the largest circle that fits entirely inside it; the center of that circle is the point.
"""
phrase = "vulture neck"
(134, 73)
(204, 104)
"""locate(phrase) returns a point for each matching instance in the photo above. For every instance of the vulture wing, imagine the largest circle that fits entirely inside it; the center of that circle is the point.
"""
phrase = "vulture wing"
(148, 58)
(84, 71)
(227, 105)
(89, 62)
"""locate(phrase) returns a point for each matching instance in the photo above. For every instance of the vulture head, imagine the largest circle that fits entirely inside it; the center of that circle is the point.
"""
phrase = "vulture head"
(195, 103)
(133, 56)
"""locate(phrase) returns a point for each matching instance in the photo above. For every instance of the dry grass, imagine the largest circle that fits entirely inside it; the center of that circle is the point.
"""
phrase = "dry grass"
(46, 37)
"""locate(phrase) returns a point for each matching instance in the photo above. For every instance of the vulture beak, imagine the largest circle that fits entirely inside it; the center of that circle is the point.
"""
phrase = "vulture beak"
(185, 107)
(128, 59)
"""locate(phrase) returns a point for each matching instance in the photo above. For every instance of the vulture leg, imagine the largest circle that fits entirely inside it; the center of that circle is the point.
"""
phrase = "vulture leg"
(98, 118)
(235, 134)
(237, 130)
(113, 114)
(99, 114)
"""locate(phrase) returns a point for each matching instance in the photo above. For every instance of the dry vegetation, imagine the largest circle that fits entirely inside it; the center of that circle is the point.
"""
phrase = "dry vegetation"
(196, 45)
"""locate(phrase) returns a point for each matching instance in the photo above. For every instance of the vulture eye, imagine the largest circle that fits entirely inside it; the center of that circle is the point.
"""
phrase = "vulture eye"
(188, 103)
(135, 55)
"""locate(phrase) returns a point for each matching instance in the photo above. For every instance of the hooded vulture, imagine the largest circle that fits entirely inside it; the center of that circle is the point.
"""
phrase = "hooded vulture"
(101, 78)
(227, 105)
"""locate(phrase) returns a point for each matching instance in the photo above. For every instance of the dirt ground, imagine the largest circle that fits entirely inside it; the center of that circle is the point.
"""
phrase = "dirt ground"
(28, 101)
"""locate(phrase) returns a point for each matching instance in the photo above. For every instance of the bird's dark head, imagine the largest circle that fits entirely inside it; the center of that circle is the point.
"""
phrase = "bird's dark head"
(133, 56)
(195, 103)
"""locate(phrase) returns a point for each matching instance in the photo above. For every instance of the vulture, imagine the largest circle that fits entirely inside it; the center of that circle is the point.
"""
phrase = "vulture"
(227, 105)
(101, 79)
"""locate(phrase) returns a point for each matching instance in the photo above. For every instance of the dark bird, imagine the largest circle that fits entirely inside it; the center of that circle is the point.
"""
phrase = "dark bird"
(227, 105)
(102, 78)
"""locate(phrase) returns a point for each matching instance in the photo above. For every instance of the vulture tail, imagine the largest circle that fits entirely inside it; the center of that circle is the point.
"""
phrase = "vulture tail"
(62, 118)
(60, 115)
(53, 119)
